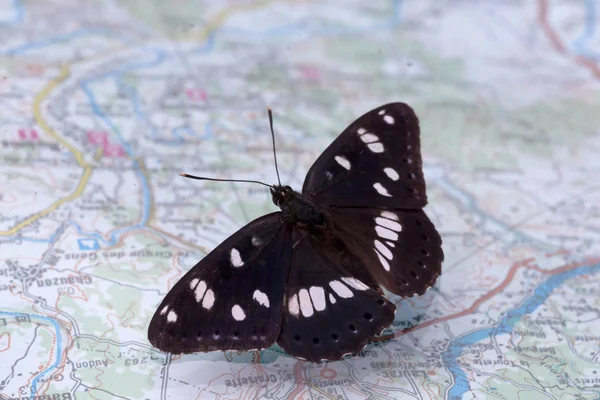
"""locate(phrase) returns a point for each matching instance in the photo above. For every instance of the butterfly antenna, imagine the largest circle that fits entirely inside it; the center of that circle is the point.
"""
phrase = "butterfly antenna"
(203, 178)
(273, 137)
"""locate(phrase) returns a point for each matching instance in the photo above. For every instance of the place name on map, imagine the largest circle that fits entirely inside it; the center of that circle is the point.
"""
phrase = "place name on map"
(249, 380)
(70, 280)
(587, 290)
(403, 373)
(412, 366)
(17, 318)
(540, 335)
(54, 396)
(90, 364)
(581, 309)
(120, 254)
(587, 338)
(548, 321)
(494, 362)
(583, 381)
(8, 272)
(30, 145)
(534, 349)
(329, 382)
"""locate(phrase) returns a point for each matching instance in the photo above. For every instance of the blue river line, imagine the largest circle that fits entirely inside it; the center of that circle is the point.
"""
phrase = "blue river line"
(59, 349)
(539, 296)
(32, 46)
(294, 30)
(18, 14)
(146, 196)
(580, 44)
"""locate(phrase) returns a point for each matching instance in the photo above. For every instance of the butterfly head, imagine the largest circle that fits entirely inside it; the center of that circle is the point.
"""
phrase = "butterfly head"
(282, 194)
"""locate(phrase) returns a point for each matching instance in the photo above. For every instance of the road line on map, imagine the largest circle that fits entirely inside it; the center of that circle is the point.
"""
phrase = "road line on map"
(37, 112)
(558, 44)
(489, 295)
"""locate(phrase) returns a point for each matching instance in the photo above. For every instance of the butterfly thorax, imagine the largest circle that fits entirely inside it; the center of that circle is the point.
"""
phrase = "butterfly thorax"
(297, 208)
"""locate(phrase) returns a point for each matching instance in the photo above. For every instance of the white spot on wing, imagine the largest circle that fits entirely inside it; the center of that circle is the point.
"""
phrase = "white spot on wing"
(237, 313)
(172, 317)
(386, 233)
(209, 299)
(261, 298)
(293, 306)
(193, 283)
(392, 245)
(317, 295)
(393, 225)
(389, 215)
(361, 131)
(384, 262)
(164, 310)
(343, 161)
(369, 138)
(340, 289)
(236, 258)
(355, 283)
(376, 147)
(381, 190)
(256, 241)
(305, 304)
(383, 250)
(199, 291)
(331, 298)
(381, 112)
(389, 119)
(391, 173)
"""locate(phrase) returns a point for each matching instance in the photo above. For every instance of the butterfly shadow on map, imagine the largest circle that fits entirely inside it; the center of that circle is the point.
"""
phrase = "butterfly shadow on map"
(391, 355)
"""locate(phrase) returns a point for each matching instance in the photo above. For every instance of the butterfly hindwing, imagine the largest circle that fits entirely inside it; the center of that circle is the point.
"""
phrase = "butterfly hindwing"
(333, 306)
(232, 299)
(376, 161)
(401, 249)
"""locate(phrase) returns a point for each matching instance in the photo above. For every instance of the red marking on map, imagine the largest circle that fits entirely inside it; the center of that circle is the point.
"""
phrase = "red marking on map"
(310, 73)
(98, 137)
(196, 94)
(28, 134)
(328, 373)
(113, 150)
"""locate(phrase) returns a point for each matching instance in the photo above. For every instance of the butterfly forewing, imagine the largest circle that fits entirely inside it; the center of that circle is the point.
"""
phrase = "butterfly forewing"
(232, 299)
(332, 304)
(376, 161)
(400, 248)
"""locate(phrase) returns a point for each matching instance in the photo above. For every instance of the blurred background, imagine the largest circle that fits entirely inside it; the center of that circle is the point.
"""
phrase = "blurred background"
(104, 103)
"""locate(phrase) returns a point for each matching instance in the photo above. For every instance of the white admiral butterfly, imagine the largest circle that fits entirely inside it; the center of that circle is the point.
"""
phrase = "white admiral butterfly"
(308, 277)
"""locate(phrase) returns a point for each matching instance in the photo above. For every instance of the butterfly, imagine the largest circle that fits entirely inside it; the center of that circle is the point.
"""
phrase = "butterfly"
(309, 277)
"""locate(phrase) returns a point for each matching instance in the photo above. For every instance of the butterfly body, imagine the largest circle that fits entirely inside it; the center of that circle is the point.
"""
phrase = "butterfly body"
(297, 208)
(310, 277)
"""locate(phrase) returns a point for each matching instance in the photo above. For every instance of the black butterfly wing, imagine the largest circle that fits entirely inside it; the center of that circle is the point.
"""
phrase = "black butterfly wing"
(232, 299)
(370, 181)
(400, 248)
(376, 161)
(332, 304)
